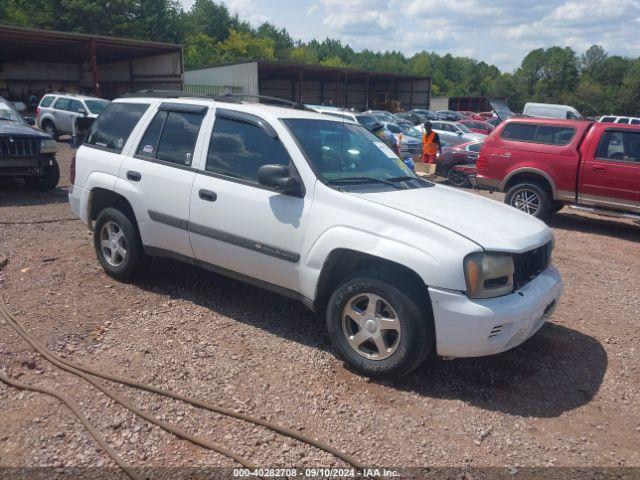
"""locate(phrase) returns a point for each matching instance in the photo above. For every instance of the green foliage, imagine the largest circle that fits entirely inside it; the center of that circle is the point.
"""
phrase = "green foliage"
(595, 82)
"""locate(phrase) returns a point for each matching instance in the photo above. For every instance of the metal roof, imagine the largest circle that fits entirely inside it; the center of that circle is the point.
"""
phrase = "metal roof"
(28, 44)
(279, 69)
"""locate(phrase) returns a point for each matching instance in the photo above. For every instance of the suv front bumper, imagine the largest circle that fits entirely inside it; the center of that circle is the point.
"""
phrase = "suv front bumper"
(467, 327)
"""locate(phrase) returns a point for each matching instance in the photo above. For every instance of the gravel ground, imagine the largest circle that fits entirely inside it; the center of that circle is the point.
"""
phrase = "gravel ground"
(569, 397)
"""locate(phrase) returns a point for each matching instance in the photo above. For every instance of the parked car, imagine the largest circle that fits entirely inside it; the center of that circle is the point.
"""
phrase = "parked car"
(471, 115)
(57, 111)
(363, 119)
(427, 114)
(382, 116)
(409, 141)
(478, 126)
(26, 152)
(494, 121)
(550, 110)
(486, 115)
(623, 120)
(414, 118)
(320, 210)
(455, 133)
(544, 164)
(450, 115)
(463, 154)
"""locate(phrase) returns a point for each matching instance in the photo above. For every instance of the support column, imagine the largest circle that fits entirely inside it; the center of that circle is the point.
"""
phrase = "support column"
(94, 68)
(366, 92)
(346, 88)
(300, 89)
(337, 87)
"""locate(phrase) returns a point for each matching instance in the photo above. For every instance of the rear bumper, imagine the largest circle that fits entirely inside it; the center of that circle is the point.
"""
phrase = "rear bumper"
(473, 328)
(79, 201)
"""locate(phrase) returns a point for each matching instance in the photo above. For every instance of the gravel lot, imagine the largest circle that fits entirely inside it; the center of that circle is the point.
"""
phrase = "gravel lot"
(569, 397)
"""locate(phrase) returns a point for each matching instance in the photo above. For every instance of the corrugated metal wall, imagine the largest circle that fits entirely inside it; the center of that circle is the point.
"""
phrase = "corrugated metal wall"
(242, 76)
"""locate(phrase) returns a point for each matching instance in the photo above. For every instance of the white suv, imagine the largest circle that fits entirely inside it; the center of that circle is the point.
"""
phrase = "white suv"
(57, 112)
(317, 209)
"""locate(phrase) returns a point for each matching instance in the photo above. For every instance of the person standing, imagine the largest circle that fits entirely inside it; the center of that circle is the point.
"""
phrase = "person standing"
(431, 146)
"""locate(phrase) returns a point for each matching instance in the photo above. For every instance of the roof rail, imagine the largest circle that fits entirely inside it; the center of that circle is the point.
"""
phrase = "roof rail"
(229, 97)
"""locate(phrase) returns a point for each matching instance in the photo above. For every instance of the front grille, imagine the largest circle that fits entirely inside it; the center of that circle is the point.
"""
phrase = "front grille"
(19, 147)
(528, 265)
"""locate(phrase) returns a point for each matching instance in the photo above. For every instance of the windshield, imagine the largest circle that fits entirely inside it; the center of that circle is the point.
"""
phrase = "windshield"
(338, 150)
(96, 106)
(393, 128)
(367, 120)
(8, 113)
(411, 131)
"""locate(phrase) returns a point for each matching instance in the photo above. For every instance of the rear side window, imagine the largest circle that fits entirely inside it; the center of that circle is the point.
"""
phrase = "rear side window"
(623, 146)
(239, 149)
(608, 119)
(171, 137)
(114, 125)
(623, 120)
(547, 134)
(635, 122)
(62, 104)
(47, 101)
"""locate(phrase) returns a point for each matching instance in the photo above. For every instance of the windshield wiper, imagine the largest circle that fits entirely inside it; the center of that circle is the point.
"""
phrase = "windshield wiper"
(362, 179)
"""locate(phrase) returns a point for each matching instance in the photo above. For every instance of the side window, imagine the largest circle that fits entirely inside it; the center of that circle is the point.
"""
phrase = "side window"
(62, 104)
(239, 149)
(522, 132)
(75, 105)
(623, 120)
(554, 135)
(46, 101)
(623, 146)
(177, 137)
(635, 122)
(608, 119)
(114, 125)
(474, 147)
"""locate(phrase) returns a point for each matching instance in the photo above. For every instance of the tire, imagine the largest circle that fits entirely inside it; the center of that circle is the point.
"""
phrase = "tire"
(555, 207)
(47, 181)
(49, 127)
(122, 238)
(457, 179)
(395, 297)
(529, 198)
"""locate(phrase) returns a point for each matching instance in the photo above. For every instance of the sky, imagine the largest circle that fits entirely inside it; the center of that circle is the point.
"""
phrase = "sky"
(499, 32)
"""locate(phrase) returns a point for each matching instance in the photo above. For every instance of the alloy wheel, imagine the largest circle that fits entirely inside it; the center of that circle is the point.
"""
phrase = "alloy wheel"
(113, 245)
(371, 326)
(526, 200)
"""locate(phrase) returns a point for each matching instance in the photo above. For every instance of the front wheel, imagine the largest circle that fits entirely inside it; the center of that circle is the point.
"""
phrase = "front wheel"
(48, 180)
(457, 178)
(380, 324)
(117, 244)
(529, 198)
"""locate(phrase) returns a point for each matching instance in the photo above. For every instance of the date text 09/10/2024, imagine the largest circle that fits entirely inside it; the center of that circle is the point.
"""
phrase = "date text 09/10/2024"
(316, 472)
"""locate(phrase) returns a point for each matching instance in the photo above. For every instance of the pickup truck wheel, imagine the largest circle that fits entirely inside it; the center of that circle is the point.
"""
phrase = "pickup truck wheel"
(380, 325)
(47, 181)
(457, 178)
(530, 198)
(117, 244)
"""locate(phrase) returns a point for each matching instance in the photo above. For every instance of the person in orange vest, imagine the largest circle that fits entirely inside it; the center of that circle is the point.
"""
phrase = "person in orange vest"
(430, 144)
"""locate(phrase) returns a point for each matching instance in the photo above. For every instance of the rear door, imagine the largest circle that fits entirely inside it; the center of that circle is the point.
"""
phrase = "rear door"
(610, 175)
(60, 112)
(158, 176)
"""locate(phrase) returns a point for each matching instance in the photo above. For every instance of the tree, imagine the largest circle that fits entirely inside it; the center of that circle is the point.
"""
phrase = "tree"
(200, 51)
(281, 38)
(241, 45)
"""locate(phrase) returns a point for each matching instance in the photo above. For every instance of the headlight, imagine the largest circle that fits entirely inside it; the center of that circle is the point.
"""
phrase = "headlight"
(48, 146)
(488, 275)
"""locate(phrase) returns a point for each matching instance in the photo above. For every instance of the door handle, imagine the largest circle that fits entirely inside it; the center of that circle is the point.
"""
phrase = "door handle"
(133, 176)
(208, 195)
(599, 169)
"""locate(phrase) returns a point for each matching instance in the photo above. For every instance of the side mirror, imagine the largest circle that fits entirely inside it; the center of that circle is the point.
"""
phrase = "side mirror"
(279, 178)
(82, 111)
(30, 121)
(459, 133)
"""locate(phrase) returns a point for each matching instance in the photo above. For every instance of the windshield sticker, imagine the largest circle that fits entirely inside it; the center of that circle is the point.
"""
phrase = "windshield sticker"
(120, 142)
(386, 150)
(147, 149)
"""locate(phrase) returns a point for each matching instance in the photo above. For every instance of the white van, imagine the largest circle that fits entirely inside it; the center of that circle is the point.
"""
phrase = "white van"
(550, 110)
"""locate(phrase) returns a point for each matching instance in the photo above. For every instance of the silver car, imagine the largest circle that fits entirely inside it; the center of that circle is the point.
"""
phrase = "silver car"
(57, 112)
(455, 133)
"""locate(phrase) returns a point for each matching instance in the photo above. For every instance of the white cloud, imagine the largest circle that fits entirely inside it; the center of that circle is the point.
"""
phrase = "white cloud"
(312, 9)
(247, 10)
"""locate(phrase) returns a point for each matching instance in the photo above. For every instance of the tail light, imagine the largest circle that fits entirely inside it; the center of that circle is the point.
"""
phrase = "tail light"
(38, 112)
(482, 162)
(72, 169)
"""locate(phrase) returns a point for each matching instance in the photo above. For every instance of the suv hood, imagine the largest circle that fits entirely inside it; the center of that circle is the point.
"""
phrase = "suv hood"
(19, 130)
(491, 224)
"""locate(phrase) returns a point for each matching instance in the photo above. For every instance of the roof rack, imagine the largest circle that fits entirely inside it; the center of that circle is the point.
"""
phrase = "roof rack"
(229, 97)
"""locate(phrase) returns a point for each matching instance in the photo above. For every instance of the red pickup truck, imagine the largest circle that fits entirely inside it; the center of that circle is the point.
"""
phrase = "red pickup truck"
(544, 164)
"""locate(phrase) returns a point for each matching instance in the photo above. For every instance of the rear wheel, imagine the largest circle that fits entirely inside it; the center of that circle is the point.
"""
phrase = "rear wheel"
(380, 324)
(50, 128)
(458, 178)
(530, 198)
(117, 244)
(48, 180)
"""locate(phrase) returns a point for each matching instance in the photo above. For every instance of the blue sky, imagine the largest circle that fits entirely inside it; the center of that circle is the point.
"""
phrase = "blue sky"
(500, 32)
